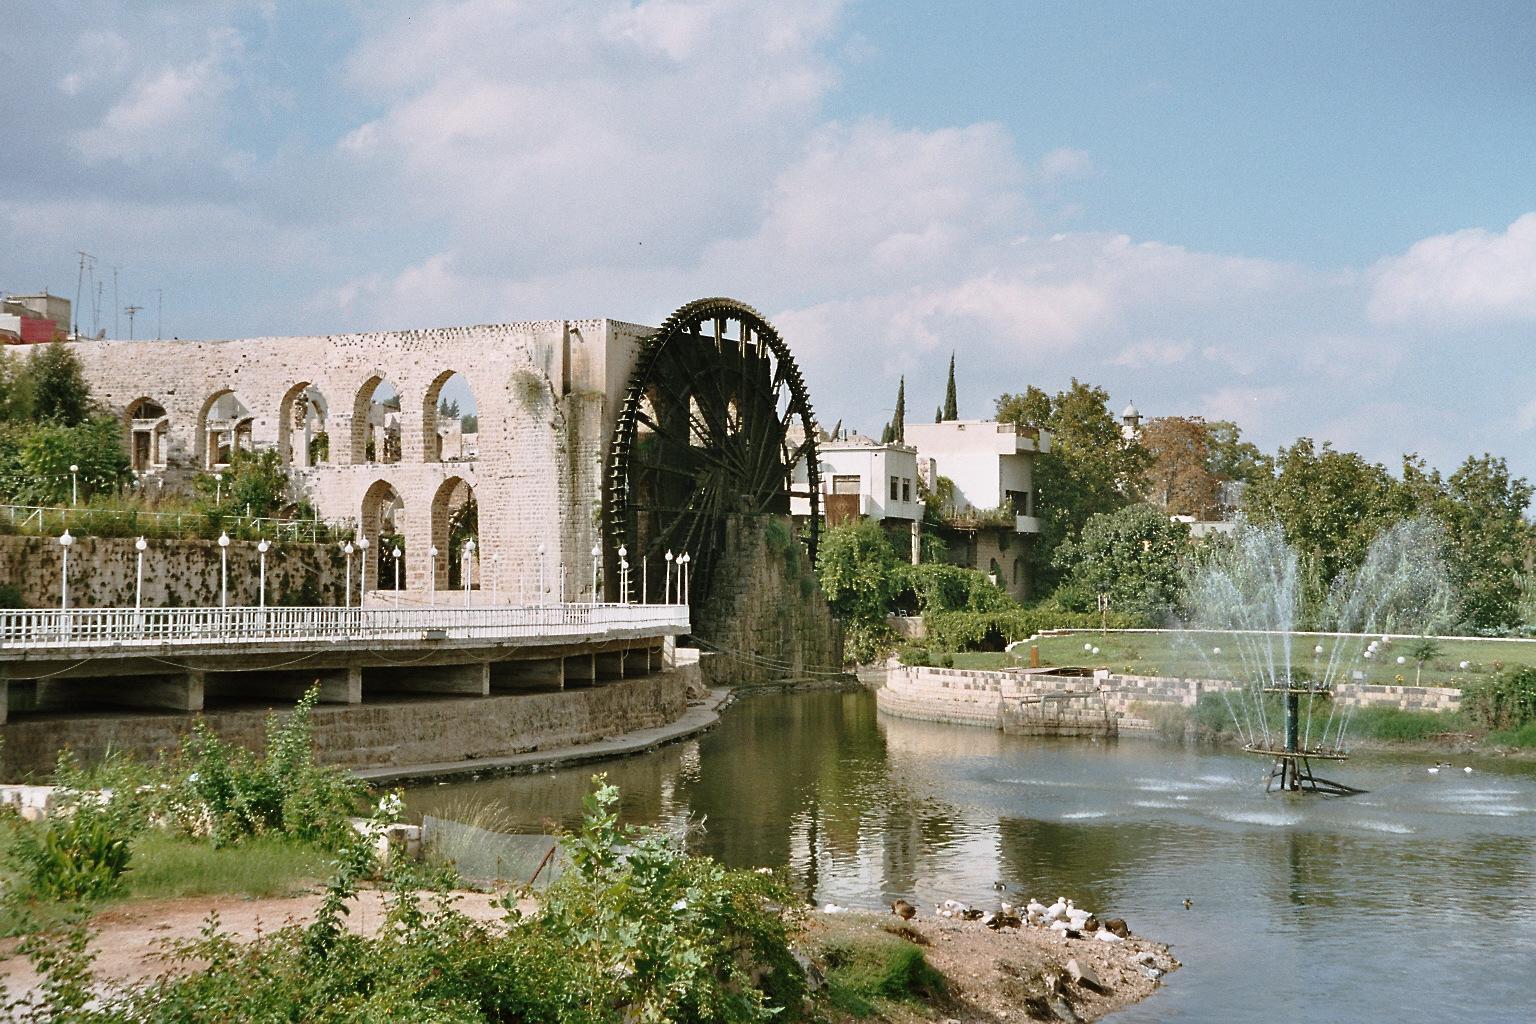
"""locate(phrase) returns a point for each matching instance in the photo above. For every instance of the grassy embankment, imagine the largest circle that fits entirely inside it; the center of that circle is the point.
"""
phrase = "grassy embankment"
(1193, 655)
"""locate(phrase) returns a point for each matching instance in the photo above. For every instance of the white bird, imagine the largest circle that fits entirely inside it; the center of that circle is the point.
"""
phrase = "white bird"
(1078, 917)
(833, 908)
(1058, 909)
(1468, 769)
(1034, 908)
(1434, 770)
(1105, 935)
(1061, 926)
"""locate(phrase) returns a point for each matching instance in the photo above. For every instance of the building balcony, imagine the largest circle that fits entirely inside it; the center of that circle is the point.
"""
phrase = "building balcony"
(1026, 524)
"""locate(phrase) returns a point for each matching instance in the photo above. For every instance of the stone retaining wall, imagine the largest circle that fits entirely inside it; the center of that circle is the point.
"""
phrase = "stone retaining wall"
(394, 734)
(103, 572)
(977, 697)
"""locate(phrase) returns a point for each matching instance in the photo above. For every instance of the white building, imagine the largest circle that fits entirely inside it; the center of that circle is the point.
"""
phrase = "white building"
(990, 464)
(862, 477)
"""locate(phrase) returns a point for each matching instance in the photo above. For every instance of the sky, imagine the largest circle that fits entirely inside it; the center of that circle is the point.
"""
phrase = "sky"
(1312, 218)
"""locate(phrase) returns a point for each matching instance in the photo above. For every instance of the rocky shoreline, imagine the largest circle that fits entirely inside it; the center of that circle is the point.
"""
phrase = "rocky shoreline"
(1012, 974)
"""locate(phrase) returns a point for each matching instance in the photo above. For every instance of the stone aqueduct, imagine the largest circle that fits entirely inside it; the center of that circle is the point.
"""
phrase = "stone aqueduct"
(547, 393)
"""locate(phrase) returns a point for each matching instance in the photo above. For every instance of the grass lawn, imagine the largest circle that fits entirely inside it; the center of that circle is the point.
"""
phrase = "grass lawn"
(165, 866)
(1193, 654)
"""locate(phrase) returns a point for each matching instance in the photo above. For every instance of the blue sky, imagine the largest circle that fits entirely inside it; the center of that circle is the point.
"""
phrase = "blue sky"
(1313, 218)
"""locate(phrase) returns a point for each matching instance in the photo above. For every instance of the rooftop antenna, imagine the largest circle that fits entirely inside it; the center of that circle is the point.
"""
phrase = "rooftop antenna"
(117, 329)
(79, 280)
(159, 309)
(131, 310)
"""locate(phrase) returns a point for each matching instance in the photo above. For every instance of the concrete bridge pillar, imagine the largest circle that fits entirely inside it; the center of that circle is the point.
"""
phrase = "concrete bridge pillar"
(473, 678)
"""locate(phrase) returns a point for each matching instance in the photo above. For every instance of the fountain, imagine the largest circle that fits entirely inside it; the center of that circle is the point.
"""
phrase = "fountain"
(1251, 597)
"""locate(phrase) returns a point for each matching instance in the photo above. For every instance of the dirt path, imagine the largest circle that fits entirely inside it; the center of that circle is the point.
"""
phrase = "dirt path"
(132, 938)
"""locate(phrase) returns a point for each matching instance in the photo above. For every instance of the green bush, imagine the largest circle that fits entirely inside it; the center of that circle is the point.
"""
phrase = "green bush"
(229, 793)
(992, 631)
(913, 656)
(78, 857)
(1504, 703)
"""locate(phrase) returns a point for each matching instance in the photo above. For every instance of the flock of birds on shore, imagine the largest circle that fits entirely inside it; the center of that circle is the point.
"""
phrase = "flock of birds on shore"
(1446, 764)
(1063, 917)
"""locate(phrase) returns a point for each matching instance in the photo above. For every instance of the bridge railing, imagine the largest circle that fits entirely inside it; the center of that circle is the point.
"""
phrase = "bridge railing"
(28, 628)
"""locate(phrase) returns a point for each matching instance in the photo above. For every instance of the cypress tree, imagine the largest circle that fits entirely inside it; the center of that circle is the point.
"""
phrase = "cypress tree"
(951, 410)
(899, 420)
(938, 414)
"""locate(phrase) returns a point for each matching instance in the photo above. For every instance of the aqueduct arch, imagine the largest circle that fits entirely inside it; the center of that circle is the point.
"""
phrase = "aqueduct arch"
(555, 400)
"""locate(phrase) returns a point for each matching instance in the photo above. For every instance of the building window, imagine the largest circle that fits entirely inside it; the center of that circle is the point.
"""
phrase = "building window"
(895, 487)
(906, 488)
(845, 485)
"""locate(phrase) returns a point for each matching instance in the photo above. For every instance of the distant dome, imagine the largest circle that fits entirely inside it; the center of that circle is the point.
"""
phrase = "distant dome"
(1130, 413)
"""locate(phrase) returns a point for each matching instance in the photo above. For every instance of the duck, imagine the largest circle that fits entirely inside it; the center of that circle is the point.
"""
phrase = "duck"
(997, 921)
(1468, 769)
(833, 908)
(1435, 770)
(903, 909)
(1188, 903)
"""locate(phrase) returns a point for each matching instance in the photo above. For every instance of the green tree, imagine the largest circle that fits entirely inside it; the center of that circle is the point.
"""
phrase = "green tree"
(15, 388)
(1134, 555)
(1489, 539)
(254, 484)
(951, 406)
(1091, 468)
(856, 565)
(1229, 457)
(1331, 504)
(46, 452)
(899, 417)
(59, 391)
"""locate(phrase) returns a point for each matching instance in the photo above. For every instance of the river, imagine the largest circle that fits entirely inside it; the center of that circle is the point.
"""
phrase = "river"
(1415, 901)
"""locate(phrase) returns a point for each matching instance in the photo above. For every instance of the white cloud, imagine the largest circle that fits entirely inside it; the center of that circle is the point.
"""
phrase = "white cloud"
(549, 134)
(1153, 352)
(1465, 278)
(1065, 163)
(166, 112)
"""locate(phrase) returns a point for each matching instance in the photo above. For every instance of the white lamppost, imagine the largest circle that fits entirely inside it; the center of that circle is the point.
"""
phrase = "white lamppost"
(645, 579)
(623, 574)
(667, 598)
(541, 573)
(468, 568)
(224, 570)
(347, 547)
(683, 562)
(262, 547)
(65, 540)
(218, 491)
(396, 554)
(562, 581)
(362, 569)
(74, 484)
(597, 570)
(138, 589)
(432, 578)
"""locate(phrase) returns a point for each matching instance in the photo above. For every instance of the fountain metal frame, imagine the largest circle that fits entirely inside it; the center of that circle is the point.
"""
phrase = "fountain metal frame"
(1293, 761)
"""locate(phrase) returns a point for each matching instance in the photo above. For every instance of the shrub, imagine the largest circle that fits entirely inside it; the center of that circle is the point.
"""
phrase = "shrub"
(230, 793)
(913, 656)
(1504, 703)
(78, 857)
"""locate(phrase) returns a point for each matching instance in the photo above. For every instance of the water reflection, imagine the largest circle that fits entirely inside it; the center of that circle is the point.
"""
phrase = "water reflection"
(1371, 908)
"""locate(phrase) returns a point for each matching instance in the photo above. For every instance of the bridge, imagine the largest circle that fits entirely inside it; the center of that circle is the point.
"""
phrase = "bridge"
(177, 658)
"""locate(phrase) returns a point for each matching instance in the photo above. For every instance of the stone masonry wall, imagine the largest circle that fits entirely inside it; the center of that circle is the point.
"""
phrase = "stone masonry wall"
(177, 573)
(546, 393)
(767, 615)
(977, 697)
(395, 734)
